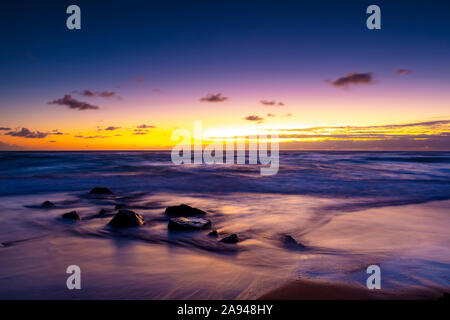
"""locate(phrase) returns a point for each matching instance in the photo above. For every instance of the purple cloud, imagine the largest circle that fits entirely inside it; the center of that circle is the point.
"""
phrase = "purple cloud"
(111, 128)
(353, 79)
(214, 98)
(402, 71)
(254, 118)
(146, 126)
(101, 94)
(26, 133)
(72, 103)
(271, 103)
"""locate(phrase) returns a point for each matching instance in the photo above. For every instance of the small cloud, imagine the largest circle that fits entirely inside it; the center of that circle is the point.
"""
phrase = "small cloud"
(72, 103)
(146, 126)
(403, 71)
(140, 132)
(87, 93)
(91, 137)
(106, 94)
(214, 98)
(353, 79)
(254, 118)
(111, 128)
(101, 94)
(271, 115)
(51, 141)
(288, 115)
(271, 103)
(26, 133)
(4, 129)
(138, 80)
(156, 90)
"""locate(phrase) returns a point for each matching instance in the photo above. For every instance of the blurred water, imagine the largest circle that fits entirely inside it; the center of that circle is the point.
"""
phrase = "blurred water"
(414, 176)
(350, 209)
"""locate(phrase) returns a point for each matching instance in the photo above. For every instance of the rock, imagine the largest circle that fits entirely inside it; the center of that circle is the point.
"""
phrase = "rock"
(47, 204)
(71, 215)
(213, 233)
(100, 190)
(289, 241)
(445, 297)
(102, 212)
(126, 218)
(183, 210)
(233, 238)
(182, 223)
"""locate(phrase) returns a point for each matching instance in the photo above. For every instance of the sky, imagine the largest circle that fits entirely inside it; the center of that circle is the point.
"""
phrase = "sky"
(310, 71)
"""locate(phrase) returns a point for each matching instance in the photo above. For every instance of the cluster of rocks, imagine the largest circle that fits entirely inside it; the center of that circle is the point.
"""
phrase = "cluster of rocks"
(181, 217)
(184, 217)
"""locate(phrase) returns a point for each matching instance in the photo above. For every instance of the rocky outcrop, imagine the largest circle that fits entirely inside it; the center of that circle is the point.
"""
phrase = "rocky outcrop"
(103, 212)
(183, 223)
(73, 215)
(233, 238)
(291, 242)
(47, 204)
(126, 218)
(213, 233)
(183, 210)
(100, 190)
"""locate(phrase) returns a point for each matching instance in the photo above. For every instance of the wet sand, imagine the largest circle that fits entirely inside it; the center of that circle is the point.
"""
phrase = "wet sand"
(306, 289)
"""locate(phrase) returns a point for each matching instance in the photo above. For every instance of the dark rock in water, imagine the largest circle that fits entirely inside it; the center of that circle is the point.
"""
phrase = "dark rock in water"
(47, 204)
(233, 238)
(100, 190)
(445, 297)
(213, 233)
(71, 215)
(102, 212)
(289, 241)
(126, 218)
(183, 210)
(182, 223)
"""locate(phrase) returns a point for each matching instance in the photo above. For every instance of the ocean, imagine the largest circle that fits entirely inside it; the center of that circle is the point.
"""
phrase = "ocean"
(349, 209)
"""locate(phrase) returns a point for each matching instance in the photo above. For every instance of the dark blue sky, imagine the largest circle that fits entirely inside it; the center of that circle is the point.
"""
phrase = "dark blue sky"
(178, 39)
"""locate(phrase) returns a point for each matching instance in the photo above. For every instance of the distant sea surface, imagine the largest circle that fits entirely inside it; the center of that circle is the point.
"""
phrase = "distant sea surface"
(350, 210)
(408, 176)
